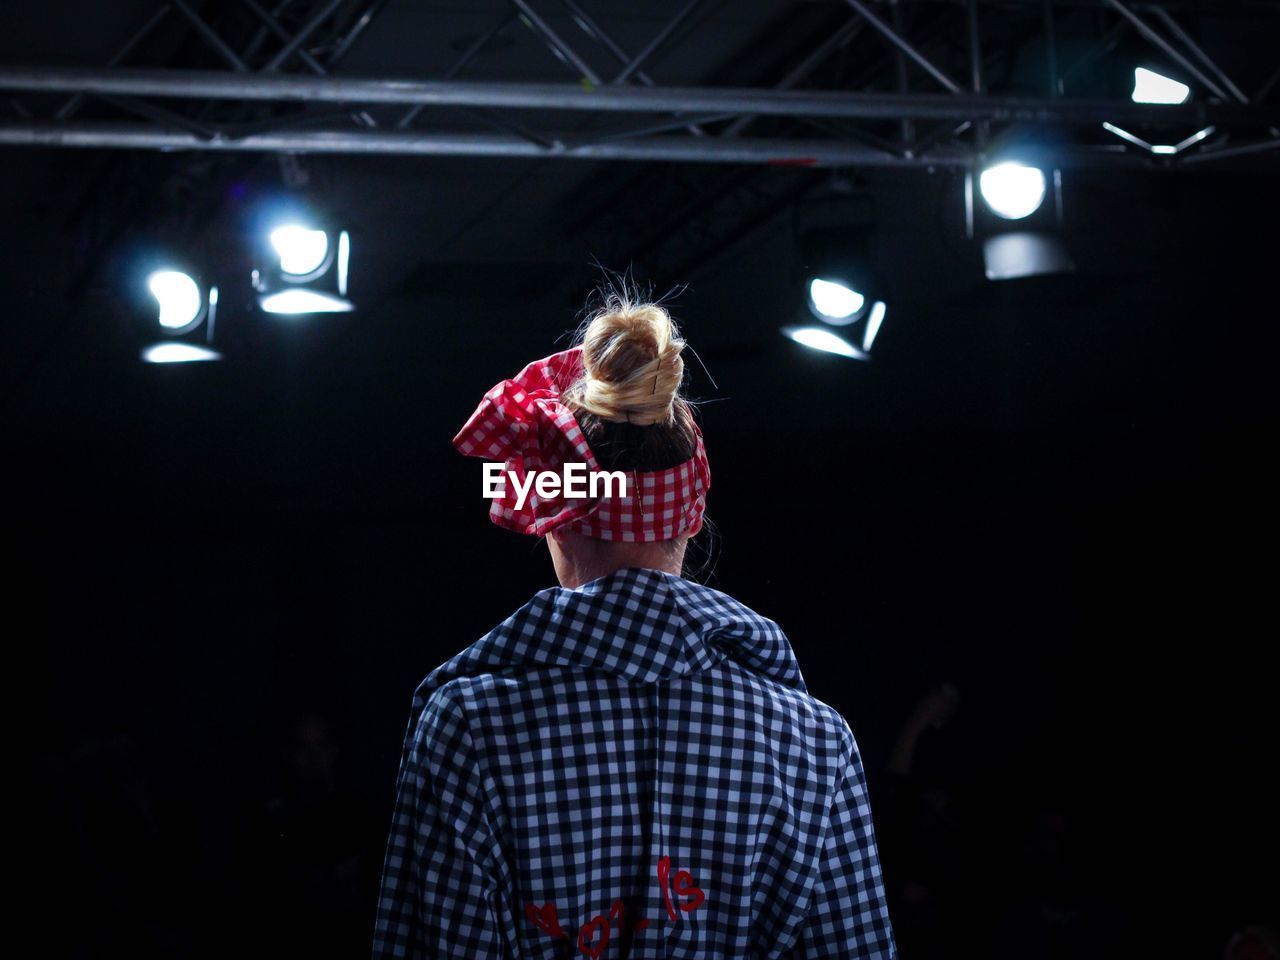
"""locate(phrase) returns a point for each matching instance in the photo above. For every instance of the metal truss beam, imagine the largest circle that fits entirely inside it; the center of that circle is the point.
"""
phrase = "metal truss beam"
(1245, 127)
(289, 88)
(788, 153)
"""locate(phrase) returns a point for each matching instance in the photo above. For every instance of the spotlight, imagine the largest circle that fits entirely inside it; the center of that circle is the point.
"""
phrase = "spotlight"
(1156, 137)
(823, 340)
(842, 286)
(1152, 87)
(1016, 191)
(308, 272)
(181, 309)
(834, 301)
(1012, 190)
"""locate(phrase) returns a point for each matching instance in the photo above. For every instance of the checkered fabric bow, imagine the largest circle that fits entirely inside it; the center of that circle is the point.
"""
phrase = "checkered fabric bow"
(522, 423)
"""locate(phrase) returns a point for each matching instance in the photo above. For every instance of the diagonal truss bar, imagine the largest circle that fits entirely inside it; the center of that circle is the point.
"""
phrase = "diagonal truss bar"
(1104, 46)
(804, 68)
(260, 36)
(312, 64)
(210, 36)
(297, 88)
(904, 45)
(1268, 86)
(467, 56)
(1195, 48)
(73, 104)
(1151, 35)
(357, 30)
(557, 43)
(653, 45)
(303, 34)
(485, 115)
(598, 33)
(274, 26)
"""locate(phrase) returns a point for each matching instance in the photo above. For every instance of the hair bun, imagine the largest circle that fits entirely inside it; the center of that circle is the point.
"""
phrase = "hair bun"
(633, 368)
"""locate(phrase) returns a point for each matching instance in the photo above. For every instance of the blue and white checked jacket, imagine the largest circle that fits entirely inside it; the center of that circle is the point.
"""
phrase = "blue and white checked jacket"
(633, 768)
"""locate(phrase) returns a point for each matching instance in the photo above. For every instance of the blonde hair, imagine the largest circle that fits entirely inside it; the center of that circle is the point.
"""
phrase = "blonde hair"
(633, 368)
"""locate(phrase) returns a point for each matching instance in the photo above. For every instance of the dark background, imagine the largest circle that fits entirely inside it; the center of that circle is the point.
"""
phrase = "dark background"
(1054, 494)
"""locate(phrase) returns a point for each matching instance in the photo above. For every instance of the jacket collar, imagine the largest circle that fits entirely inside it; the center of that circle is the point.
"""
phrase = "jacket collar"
(640, 624)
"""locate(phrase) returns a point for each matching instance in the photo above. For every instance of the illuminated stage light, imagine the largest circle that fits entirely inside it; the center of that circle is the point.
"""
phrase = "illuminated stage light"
(178, 353)
(307, 273)
(1152, 87)
(1012, 190)
(184, 313)
(1015, 192)
(817, 338)
(834, 301)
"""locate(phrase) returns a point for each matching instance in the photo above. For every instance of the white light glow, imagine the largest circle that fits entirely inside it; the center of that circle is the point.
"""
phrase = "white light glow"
(301, 251)
(1159, 149)
(178, 353)
(816, 338)
(874, 319)
(304, 301)
(1022, 253)
(834, 301)
(344, 258)
(178, 296)
(1194, 138)
(1151, 87)
(1012, 190)
(1125, 135)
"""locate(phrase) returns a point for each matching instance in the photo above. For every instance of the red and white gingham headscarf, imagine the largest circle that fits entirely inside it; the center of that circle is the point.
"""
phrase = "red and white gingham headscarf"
(523, 423)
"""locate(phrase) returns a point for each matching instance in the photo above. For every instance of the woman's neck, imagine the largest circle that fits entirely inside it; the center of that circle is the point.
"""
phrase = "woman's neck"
(581, 562)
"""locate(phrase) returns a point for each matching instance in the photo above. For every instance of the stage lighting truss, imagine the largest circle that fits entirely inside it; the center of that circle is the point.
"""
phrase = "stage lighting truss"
(183, 313)
(305, 270)
(946, 107)
(924, 86)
